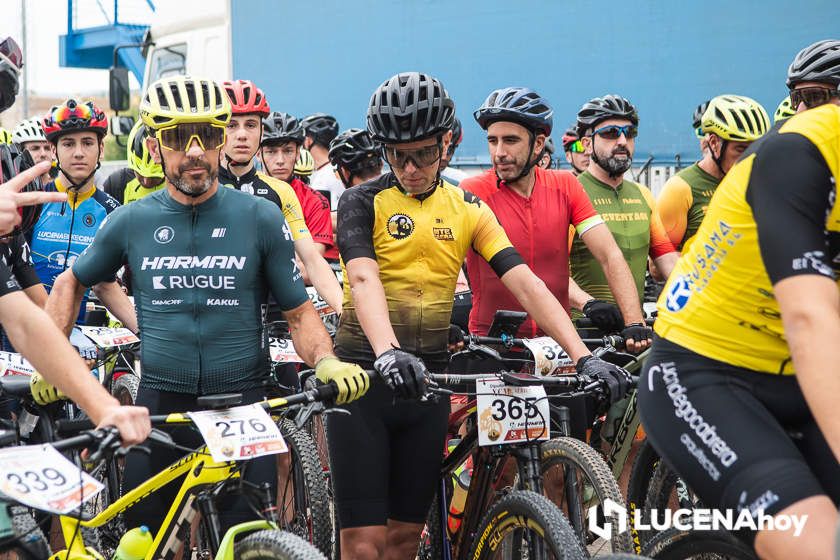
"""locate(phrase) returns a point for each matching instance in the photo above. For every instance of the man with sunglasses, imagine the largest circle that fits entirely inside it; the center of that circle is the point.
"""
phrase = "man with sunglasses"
(608, 127)
(814, 75)
(576, 155)
(204, 260)
(249, 107)
(534, 206)
(729, 125)
(403, 238)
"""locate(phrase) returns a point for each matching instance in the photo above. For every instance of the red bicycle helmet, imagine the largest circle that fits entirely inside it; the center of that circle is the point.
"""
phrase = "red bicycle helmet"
(246, 98)
(72, 116)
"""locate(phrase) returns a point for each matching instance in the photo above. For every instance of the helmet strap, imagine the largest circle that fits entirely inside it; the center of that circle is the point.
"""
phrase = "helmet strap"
(718, 159)
(76, 185)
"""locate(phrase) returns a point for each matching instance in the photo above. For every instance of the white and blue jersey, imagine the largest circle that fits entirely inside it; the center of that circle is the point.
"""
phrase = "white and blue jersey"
(65, 229)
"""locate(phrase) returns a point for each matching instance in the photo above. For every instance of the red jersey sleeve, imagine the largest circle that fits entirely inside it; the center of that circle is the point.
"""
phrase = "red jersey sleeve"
(316, 212)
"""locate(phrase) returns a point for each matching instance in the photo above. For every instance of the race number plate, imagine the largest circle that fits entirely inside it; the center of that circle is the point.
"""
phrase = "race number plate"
(509, 414)
(238, 433)
(14, 364)
(42, 478)
(548, 356)
(282, 350)
(321, 306)
(108, 337)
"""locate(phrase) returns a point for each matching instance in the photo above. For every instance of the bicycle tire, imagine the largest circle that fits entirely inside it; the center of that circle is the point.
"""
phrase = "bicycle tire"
(271, 544)
(662, 485)
(673, 544)
(641, 474)
(307, 478)
(526, 511)
(567, 451)
(624, 556)
(431, 541)
(32, 543)
(124, 388)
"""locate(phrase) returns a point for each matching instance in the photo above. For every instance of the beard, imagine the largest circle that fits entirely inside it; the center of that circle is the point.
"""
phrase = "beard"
(192, 187)
(613, 165)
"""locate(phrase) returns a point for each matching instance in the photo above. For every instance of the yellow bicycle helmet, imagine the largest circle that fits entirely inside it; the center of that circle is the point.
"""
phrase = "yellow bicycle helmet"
(184, 99)
(5, 136)
(784, 110)
(736, 118)
(305, 164)
(137, 154)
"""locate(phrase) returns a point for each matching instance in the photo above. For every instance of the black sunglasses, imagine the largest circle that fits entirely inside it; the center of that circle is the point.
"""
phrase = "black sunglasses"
(614, 132)
(811, 96)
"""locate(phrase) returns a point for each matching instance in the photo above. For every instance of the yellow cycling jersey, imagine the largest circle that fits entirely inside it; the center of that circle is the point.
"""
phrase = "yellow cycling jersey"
(419, 243)
(772, 217)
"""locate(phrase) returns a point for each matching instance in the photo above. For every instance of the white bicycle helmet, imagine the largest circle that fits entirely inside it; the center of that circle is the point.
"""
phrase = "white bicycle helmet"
(29, 131)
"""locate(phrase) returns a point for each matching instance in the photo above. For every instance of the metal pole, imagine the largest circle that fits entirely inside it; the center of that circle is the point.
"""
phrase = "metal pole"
(25, 66)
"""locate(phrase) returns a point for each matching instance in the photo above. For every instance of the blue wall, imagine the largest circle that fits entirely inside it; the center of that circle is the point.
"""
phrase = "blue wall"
(665, 56)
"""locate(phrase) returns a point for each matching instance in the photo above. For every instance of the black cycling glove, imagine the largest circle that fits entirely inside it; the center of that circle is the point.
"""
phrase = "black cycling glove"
(604, 315)
(403, 372)
(617, 379)
(639, 332)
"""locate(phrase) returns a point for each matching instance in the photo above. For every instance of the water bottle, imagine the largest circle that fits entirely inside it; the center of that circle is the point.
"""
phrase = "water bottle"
(135, 544)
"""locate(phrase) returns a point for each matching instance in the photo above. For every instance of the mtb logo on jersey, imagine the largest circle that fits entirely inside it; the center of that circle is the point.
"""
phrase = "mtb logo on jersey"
(443, 234)
(400, 226)
(164, 234)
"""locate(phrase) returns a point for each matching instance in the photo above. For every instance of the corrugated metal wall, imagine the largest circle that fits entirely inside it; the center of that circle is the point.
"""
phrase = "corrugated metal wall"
(665, 56)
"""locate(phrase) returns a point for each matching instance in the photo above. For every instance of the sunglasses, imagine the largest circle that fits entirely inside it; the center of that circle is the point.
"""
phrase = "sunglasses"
(421, 157)
(811, 96)
(575, 147)
(10, 50)
(614, 132)
(81, 111)
(179, 137)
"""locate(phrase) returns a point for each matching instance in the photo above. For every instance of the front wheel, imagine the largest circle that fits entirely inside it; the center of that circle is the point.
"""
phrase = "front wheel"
(272, 544)
(524, 524)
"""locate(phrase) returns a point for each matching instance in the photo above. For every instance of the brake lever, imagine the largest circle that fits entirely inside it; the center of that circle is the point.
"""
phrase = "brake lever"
(108, 442)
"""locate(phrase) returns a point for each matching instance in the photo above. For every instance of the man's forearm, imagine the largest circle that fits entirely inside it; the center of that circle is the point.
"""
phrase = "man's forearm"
(37, 294)
(665, 264)
(114, 299)
(311, 340)
(323, 279)
(623, 288)
(64, 301)
(38, 339)
(544, 309)
(373, 314)
(577, 297)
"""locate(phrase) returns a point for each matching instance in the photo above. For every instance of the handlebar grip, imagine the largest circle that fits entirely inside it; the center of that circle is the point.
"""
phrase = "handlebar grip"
(74, 426)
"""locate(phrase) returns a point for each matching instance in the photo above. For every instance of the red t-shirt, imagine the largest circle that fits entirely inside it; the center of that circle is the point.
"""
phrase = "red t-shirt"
(538, 227)
(316, 212)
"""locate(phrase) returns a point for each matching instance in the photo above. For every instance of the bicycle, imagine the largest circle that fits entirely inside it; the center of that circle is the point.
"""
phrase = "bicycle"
(204, 480)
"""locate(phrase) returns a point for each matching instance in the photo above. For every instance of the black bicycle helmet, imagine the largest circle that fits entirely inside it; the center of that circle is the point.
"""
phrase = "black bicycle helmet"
(11, 62)
(279, 128)
(353, 148)
(516, 104)
(697, 117)
(819, 62)
(14, 160)
(321, 127)
(457, 132)
(600, 109)
(408, 107)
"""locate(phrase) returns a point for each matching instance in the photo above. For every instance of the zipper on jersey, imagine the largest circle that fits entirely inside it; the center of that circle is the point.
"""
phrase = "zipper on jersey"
(193, 223)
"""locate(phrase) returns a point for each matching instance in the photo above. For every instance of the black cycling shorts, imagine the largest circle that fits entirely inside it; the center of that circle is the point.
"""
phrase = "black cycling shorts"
(385, 457)
(139, 466)
(739, 438)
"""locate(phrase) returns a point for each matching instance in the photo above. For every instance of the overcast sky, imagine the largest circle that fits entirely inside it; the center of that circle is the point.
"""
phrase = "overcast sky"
(46, 21)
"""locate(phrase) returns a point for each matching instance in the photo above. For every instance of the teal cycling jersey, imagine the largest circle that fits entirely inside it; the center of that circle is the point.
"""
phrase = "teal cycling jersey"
(201, 276)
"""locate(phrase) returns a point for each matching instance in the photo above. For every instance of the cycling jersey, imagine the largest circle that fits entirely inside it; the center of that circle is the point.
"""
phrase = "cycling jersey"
(773, 216)
(419, 243)
(316, 213)
(271, 189)
(201, 279)
(65, 229)
(16, 255)
(124, 187)
(628, 210)
(682, 203)
(532, 224)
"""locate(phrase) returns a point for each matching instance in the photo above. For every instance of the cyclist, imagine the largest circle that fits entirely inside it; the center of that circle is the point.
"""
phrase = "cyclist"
(783, 111)
(244, 133)
(201, 278)
(696, 120)
(320, 130)
(451, 174)
(76, 131)
(546, 160)
(356, 159)
(814, 74)
(576, 154)
(608, 127)
(282, 137)
(30, 136)
(744, 356)
(729, 125)
(532, 205)
(403, 237)
(304, 166)
(142, 177)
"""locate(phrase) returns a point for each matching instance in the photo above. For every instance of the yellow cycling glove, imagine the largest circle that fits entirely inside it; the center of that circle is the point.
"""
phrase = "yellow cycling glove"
(43, 392)
(352, 381)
